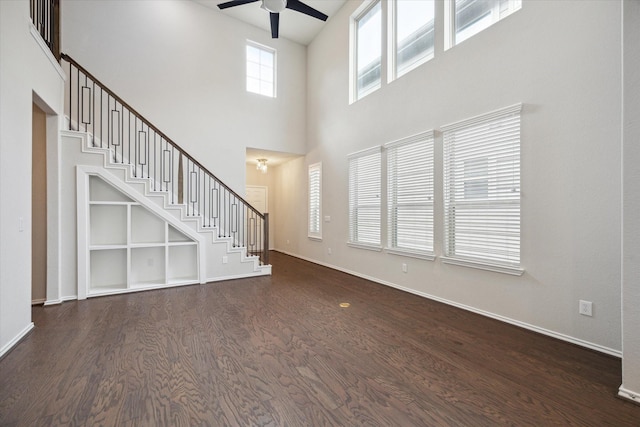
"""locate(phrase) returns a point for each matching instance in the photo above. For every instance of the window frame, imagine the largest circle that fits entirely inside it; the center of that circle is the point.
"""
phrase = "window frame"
(362, 10)
(428, 138)
(494, 199)
(274, 72)
(312, 232)
(450, 30)
(392, 34)
(353, 240)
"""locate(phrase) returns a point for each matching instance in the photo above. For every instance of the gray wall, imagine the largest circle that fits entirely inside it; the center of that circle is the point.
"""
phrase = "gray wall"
(547, 56)
(182, 66)
(27, 75)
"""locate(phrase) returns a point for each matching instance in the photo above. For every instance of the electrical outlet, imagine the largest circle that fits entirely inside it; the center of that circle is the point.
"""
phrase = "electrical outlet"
(150, 262)
(329, 251)
(585, 308)
(404, 268)
(288, 241)
(225, 259)
(327, 218)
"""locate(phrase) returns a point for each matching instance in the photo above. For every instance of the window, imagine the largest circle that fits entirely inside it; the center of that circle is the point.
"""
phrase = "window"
(364, 198)
(410, 195)
(261, 70)
(315, 203)
(411, 32)
(366, 49)
(466, 18)
(482, 191)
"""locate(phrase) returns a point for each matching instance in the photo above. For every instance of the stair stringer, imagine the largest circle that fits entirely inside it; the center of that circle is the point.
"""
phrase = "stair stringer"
(213, 250)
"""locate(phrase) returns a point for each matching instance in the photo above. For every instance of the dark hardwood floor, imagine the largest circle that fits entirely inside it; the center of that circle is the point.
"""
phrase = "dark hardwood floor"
(280, 351)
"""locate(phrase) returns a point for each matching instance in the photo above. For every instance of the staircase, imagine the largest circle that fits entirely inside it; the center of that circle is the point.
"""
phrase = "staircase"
(148, 214)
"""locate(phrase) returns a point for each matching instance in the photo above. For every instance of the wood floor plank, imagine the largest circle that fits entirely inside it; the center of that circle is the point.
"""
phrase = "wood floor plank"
(280, 351)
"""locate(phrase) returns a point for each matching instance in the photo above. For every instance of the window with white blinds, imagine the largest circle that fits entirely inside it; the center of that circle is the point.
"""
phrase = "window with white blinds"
(364, 197)
(315, 201)
(410, 195)
(482, 191)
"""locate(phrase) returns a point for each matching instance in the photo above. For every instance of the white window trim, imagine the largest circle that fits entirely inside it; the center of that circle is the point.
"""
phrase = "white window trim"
(450, 23)
(392, 32)
(275, 67)
(427, 255)
(515, 271)
(315, 235)
(353, 49)
(360, 245)
(479, 264)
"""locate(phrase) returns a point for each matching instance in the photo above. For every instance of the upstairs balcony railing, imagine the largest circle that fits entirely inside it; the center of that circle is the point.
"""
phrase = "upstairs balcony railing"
(45, 15)
(133, 140)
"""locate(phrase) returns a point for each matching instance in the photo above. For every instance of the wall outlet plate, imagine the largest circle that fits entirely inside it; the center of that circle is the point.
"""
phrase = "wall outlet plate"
(585, 308)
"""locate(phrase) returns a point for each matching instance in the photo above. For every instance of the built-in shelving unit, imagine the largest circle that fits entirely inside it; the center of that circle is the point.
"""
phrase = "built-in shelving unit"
(131, 248)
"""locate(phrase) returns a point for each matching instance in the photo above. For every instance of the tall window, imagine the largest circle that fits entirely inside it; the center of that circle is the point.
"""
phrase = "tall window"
(465, 18)
(482, 191)
(261, 69)
(411, 32)
(315, 201)
(410, 195)
(366, 34)
(364, 197)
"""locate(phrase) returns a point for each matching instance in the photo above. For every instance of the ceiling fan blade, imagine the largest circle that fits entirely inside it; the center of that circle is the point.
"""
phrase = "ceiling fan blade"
(235, 3)
(275, 24)
(298, 6)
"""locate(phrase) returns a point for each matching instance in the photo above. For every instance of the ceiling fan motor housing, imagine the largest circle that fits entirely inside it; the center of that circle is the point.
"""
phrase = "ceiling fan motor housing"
(274, 6)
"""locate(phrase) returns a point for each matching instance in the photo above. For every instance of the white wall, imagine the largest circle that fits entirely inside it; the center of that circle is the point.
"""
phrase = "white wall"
(182, 66)
(26, 75)
(631, 203)
(546, 56)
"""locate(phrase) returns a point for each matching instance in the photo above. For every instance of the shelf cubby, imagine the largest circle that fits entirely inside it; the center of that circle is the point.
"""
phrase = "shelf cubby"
(146, 227)
(108, 269)
(182, 263)
(108, 225)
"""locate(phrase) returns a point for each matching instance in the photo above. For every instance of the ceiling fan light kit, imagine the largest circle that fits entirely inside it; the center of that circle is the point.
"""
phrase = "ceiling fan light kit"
(274, 7)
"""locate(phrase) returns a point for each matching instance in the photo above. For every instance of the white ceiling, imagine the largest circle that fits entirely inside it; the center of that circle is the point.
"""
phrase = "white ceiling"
(294, 26)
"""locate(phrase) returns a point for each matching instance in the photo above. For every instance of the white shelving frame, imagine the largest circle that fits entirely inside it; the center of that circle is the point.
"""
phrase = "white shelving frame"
(125, 245)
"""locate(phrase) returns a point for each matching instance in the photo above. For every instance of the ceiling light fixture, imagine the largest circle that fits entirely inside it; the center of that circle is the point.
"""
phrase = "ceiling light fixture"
(262, 165)
(274, 6)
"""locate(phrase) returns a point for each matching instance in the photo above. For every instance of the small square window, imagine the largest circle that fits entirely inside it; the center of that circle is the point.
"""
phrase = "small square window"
(261, 70)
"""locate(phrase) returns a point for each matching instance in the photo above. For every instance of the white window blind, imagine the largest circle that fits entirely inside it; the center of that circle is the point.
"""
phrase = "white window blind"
(410, 194)
(364, 197)
(315, 201)
(482, 190)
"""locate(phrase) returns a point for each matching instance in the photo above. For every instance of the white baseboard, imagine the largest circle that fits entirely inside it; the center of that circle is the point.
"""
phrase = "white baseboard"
(4, 350)
(628, 394)
(543, 331)
(38, 301)
(60, 300)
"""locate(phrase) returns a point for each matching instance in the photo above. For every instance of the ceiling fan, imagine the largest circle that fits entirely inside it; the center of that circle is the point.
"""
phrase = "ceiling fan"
(274, 7)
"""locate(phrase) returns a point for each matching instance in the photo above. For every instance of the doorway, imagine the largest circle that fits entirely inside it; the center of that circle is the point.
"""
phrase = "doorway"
(39, 206)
